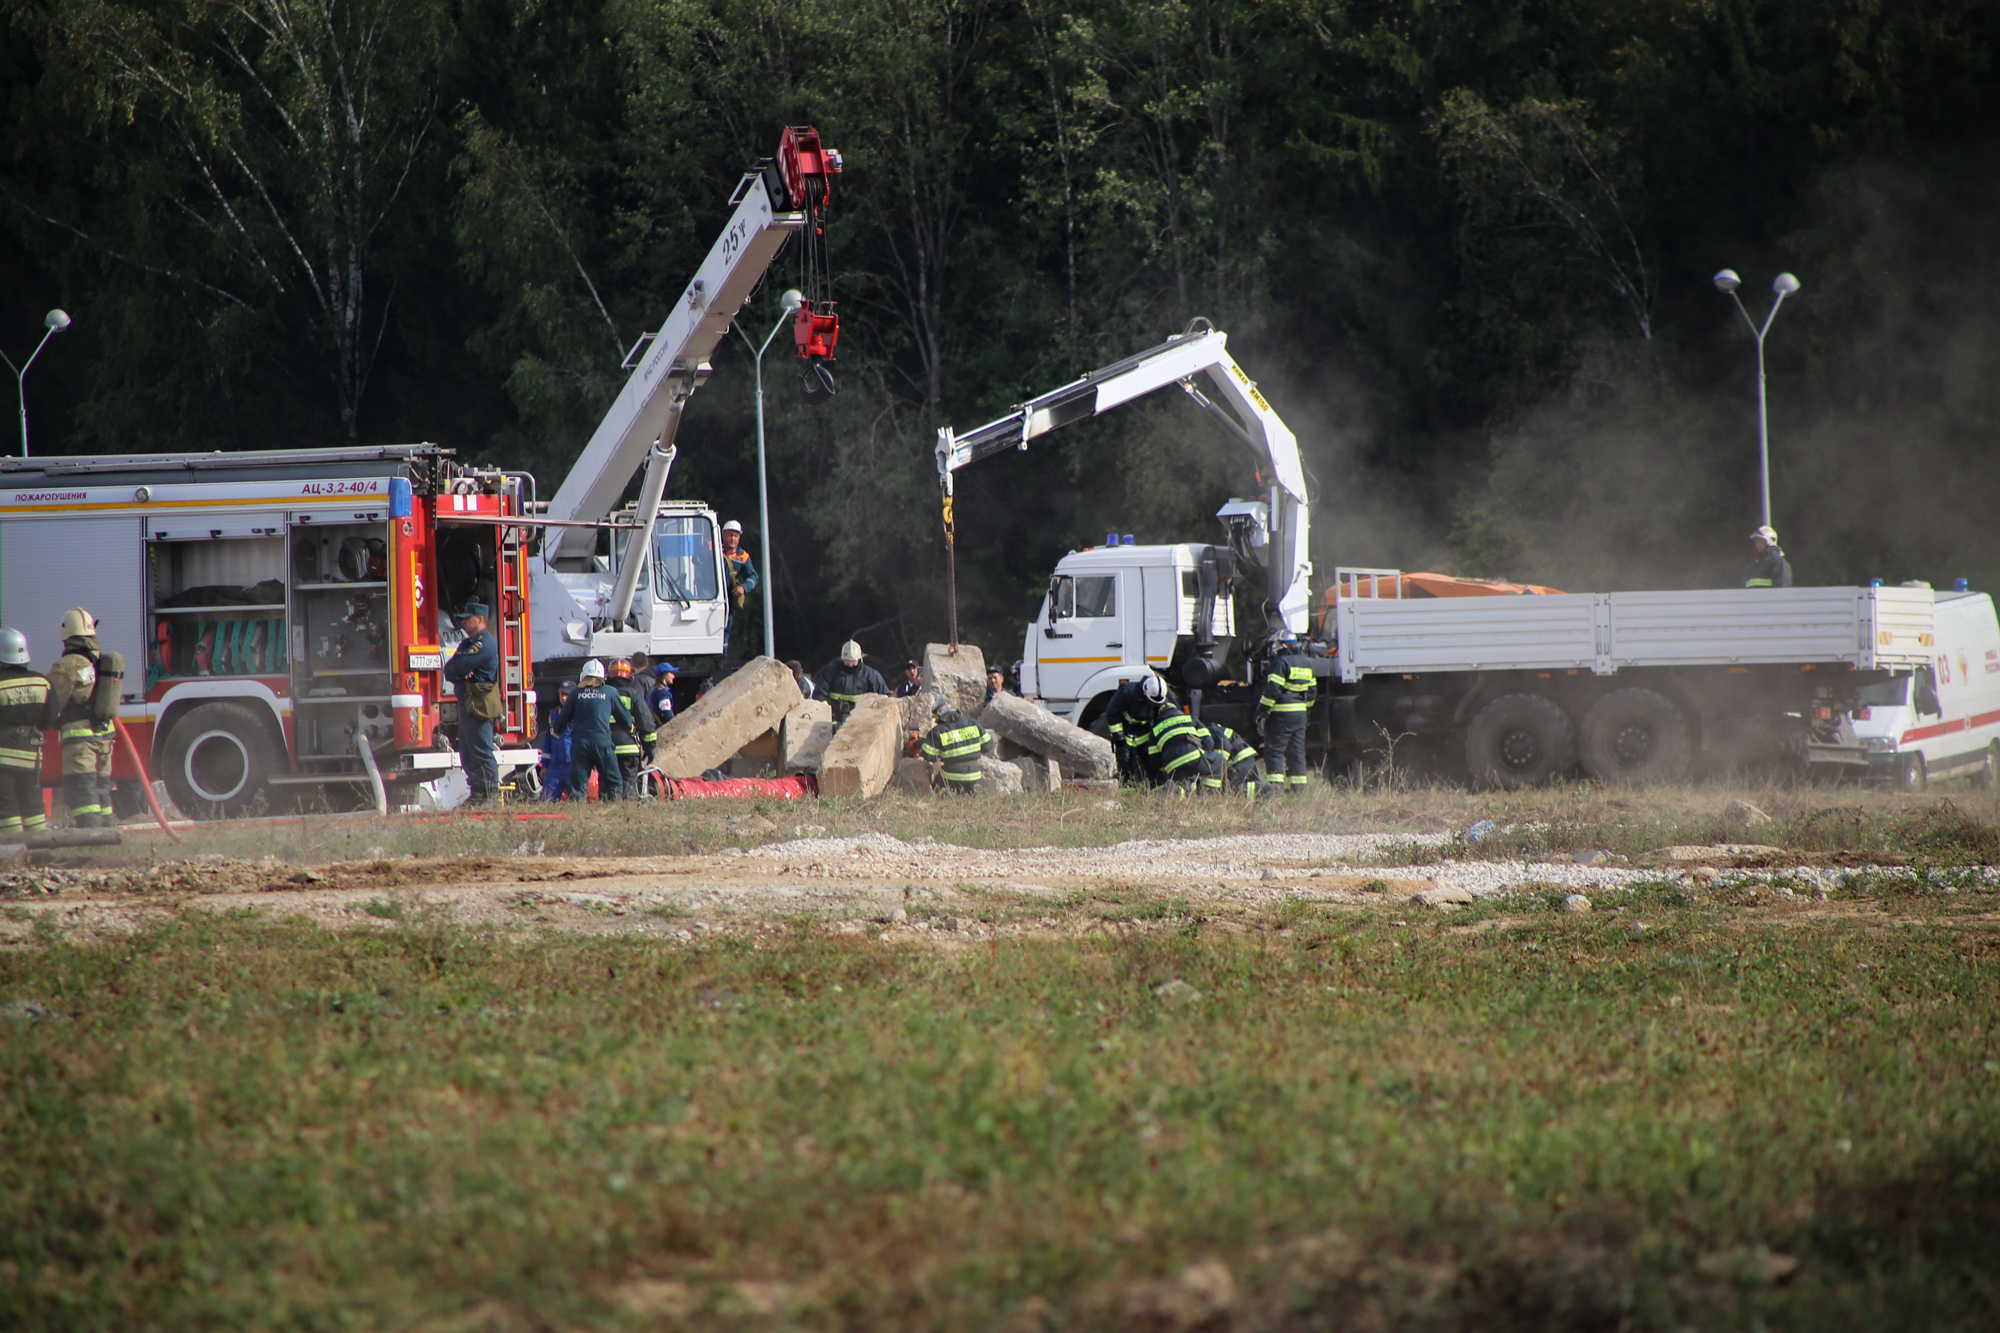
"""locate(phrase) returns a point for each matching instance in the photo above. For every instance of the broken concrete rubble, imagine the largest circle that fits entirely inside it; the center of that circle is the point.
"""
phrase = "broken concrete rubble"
(1002, 778)
(913, 776)
(736, 711)
(1080, 753)
(802, 740)
(862, 757)
(1037, 774)
(959, 674)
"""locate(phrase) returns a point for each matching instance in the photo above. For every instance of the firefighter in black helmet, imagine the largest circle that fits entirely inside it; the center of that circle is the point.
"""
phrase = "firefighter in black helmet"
(82, 705)
(1289, 691)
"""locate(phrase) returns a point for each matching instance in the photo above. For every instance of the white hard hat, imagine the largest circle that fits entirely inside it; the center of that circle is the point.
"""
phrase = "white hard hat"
(1767, 533)
(732, 526)
(78, 623)
(592, 668)
(1154, 689)
(13, 647)
(850, 651)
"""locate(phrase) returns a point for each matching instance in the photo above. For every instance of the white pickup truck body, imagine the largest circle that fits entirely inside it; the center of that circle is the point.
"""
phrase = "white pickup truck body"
(1943, 721)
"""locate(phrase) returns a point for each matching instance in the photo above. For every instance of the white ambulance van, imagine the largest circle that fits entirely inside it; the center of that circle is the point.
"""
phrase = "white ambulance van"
(1945, 721)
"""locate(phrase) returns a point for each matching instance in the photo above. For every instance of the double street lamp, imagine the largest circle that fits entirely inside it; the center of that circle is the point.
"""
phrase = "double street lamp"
(789, 304)
(1782, 286)
(55, 322)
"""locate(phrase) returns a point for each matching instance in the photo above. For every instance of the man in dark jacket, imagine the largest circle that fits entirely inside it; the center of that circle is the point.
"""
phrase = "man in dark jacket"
(1236, 760)
(1129, 717)
(634, 743)
(24, 698)
(843, 683)
(956, 743)
(1768, 567)
(912, 681)
(1289, 692)
(1173, 750)
(477, 662)
(587, 719)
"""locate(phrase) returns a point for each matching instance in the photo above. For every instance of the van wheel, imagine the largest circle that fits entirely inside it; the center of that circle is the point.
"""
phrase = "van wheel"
(1518, 740)
(1634, 736)
(1912, 776)
(1988, 776)
(218, 760)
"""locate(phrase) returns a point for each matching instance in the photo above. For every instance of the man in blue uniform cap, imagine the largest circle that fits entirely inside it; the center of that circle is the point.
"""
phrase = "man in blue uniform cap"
(475, 664)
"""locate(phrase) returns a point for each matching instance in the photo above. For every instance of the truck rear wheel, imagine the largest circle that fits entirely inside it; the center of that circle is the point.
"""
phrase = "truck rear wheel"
(1634, 736)
(218, 760)
(1912, 774)
(1518, 740)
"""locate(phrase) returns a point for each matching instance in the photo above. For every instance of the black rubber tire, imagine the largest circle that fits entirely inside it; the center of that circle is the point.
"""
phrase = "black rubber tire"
(217, 761)
(1988, 775)
(1634, 737)
(1912, 775)
(1519, 740)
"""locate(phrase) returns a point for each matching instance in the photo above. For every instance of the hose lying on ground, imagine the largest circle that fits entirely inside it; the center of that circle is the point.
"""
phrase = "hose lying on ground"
(374, 774)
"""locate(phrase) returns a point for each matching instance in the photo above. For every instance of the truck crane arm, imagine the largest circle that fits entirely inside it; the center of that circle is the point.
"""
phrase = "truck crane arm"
(1200, 354)
(773, 200)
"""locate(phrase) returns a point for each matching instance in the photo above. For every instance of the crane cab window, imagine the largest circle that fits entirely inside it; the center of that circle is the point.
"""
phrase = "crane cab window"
(1089, 597)
(684, 560)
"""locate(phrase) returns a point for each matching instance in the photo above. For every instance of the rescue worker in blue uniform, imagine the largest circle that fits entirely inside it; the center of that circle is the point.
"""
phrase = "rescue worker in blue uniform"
(633, 743)
(1236, 761)
(24, 698)
(742, 576)
(1134, 706)
(555, 749)
(660, 694)
(1768, 567)
(956, 743)
(476, 663)
(1173, 749)
(587, 719)
(843, 683)
(1289, 693)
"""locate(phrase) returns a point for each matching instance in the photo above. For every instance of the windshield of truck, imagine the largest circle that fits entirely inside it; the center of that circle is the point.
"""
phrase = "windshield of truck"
(1887, 694)
(684, 558)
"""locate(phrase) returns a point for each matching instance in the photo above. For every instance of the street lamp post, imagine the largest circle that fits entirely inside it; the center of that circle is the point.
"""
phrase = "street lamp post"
(1782, 286)
(789, 302)
(55, 322)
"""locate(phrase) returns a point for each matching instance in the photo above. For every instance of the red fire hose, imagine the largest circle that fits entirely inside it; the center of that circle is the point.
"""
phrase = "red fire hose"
(132, 751)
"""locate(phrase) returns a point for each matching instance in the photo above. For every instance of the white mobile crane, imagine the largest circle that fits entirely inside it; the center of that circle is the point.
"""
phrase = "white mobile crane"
(585, 584)
(1503, 689)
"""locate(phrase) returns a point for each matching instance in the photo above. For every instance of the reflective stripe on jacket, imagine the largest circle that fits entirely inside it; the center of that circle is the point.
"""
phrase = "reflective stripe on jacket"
(1176, 741)
(1291, 687)
(956, 745)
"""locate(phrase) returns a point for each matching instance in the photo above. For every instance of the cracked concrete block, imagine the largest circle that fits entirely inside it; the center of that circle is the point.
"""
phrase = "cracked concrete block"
(736, 711)
(1080, 753)
(913, 776)
(862, 757)
(802, 740)
(1002, 778)
(1037, 774)
(958, 674)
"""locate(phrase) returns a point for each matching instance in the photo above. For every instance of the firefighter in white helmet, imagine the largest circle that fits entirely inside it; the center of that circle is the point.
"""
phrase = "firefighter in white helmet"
(843, 683)
(83, 702)
(588, 717)
(24, 701)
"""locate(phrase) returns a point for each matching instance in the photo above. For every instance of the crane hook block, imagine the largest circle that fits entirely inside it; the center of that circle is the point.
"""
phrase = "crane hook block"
(807, 167)
(816, 329)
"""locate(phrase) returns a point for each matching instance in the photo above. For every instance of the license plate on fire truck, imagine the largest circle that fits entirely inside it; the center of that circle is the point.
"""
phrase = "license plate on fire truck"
(426, 659)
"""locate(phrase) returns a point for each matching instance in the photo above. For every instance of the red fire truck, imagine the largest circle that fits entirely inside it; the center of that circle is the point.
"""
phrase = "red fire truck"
(277, 611)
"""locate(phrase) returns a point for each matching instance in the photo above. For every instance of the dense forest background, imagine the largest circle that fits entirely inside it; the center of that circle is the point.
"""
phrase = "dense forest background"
(1466, 249)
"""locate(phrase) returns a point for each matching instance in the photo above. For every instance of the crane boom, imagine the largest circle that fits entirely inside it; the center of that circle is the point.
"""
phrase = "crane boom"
(1199, 354)
(773, 200)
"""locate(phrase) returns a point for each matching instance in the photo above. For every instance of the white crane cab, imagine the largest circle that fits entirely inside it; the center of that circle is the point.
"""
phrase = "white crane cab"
(1110, 613)
(1942, 722)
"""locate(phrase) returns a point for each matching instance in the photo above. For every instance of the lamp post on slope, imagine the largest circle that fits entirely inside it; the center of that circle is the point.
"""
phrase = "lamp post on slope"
(789, 303)
(1782, 286)
(55, 322)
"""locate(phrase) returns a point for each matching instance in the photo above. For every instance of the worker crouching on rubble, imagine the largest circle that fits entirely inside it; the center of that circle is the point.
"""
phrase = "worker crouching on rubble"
(956, 743)
(1232, 759)
(1174, 752)
(587, 719)
(1134, 707)
(843, 683)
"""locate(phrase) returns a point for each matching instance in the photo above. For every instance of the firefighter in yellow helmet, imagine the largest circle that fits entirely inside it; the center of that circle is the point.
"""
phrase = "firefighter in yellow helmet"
(83, 702)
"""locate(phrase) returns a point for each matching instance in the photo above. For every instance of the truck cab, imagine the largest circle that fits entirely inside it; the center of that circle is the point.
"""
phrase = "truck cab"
(1111, 613)
(679, 608)
(1945, 720)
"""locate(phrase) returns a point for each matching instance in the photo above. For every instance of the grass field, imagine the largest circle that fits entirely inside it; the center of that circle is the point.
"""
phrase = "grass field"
(1730, 1111)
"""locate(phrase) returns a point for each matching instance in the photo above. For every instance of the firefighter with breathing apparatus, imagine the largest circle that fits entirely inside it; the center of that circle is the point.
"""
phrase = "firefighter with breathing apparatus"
(955, 744)
(83, 707)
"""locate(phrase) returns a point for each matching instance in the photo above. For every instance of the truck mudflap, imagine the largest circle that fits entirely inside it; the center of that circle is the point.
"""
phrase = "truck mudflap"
(428, 764)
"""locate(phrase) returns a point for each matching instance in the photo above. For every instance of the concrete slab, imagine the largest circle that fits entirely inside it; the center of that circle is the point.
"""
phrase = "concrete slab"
(736, 710)
(959, 674)
(802, 740)
(862, 757)
(1033, 728)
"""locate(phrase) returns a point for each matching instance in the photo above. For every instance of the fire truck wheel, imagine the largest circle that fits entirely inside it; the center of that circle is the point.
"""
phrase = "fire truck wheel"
(1518, 740)
(217, 760)
(1913, 775)
(1987, 777)
(1634, 736)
